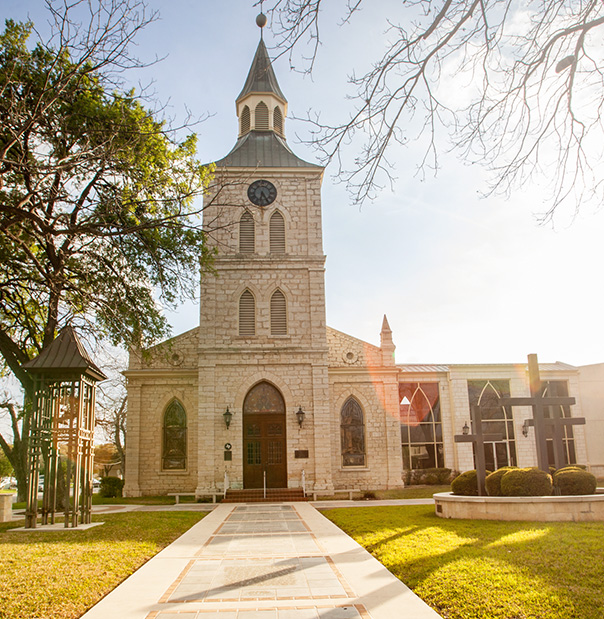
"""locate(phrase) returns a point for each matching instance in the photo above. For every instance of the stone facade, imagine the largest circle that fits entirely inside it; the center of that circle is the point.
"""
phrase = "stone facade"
(351, 436)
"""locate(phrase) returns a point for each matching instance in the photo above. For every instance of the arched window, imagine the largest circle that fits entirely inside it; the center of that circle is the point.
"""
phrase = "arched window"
(277, 233)
(245, 120)
(496, 419)
(174, 451)
(352, 434)
(247, 314)
(421, 426)
(278, 314)
(247, 234)
(278, 120)
(261, 123)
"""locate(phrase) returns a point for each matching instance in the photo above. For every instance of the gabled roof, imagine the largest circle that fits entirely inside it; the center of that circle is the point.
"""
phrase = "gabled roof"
(67, 355)
(261, 77)
(263, 149)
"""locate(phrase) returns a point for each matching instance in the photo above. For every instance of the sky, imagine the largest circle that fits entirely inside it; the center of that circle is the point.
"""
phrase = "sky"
(462, 279)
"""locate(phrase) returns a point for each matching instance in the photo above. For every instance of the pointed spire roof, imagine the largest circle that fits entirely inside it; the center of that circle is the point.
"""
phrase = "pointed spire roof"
(65, 355)
(385, 325)
(261, 77)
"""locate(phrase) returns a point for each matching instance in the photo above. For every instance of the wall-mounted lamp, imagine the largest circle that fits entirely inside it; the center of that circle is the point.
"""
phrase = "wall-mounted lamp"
(525, 427)
(465, 429)
(300, 414)
(227, 416)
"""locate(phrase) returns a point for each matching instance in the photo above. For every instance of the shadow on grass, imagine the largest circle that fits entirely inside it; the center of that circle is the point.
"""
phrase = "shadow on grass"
(139, 527)
(482, 568)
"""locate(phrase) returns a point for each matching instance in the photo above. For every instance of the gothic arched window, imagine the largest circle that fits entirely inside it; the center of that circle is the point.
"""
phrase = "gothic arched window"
(278, 120)
(174, 449)
(421, 426)
(261, 119)
(352, 434)
(245, 120)
(247, 314)
(496, 419)
(247, 234)
(277, 233)
(278, 314)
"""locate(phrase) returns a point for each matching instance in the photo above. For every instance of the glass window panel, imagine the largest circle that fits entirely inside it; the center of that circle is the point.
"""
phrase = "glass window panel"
(352, 434)
(421, 427)
(174, 449)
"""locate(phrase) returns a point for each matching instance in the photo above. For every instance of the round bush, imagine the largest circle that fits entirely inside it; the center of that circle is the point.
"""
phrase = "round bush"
(466, 484)
(575, 481)
(526, 482)
(493, 481)
(111, 487)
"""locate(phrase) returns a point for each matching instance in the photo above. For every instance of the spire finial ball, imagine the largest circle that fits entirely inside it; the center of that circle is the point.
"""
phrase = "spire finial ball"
(261, 20)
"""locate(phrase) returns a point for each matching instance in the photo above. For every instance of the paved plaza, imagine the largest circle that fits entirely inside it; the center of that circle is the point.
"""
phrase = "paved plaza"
(262, 561)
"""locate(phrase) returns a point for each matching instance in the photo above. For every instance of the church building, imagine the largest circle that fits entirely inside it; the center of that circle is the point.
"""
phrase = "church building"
(264, 393)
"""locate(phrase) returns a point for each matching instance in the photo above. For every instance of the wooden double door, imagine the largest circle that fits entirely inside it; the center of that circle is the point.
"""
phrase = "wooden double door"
(264, 438)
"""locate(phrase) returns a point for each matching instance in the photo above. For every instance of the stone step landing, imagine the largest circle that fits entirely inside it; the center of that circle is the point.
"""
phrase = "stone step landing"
(273, 495)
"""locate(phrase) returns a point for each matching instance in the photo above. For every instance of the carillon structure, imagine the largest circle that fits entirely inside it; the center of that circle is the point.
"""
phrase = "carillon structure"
(62, 420)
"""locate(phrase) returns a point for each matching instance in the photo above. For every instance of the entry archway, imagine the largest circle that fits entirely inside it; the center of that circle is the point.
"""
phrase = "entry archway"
(264, 437)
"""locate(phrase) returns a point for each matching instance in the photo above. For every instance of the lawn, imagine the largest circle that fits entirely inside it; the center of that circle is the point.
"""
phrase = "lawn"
(62, 574)
(479, 569)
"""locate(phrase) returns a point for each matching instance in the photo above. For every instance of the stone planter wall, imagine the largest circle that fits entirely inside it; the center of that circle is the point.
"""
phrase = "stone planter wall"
(585, 508)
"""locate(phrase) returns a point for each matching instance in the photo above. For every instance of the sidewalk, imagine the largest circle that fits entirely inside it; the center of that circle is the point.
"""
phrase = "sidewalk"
(262, 561)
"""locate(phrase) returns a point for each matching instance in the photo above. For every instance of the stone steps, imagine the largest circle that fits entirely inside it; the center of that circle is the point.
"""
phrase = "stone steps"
(273, 495)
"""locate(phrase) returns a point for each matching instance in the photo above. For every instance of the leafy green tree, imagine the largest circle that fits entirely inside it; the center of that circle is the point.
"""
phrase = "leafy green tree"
(6, 470)
(99, 199)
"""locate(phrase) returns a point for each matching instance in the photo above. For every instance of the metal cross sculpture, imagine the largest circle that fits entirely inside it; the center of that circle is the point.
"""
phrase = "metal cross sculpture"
(557, 422)
(478, 439)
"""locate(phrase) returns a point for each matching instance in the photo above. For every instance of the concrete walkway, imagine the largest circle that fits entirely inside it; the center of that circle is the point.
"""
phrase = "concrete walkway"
(262, 561)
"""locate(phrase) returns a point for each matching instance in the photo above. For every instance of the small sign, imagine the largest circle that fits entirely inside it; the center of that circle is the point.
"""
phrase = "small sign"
(228, 446)
(301, 453)
(228, 456)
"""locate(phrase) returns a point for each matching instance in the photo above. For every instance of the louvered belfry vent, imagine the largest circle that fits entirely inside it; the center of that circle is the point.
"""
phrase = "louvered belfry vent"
(278, 314)
(278, 120)
(277, 233)
(261, 119)
(245, 120)
(247, 314)
(247, 235)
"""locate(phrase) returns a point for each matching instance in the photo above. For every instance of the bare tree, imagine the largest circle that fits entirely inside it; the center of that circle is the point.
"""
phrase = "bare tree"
(516, 86)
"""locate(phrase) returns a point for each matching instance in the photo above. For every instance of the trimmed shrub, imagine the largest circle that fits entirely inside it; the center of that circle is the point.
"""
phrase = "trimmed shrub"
(574, 481)
(526, 482)
(430, 477)
(466, 484)
(493, 481)
(111, 487)
(572, 467)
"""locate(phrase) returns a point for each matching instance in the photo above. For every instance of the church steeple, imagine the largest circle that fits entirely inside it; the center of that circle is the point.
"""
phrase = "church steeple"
(261, 105)
(261, 78)
(261, 110)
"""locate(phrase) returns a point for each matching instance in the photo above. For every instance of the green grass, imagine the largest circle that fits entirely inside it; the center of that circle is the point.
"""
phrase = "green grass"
(60, 575)
(410, 492)
(479, 569)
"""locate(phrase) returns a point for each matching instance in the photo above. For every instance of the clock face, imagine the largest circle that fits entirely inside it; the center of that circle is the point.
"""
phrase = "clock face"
(262, 193)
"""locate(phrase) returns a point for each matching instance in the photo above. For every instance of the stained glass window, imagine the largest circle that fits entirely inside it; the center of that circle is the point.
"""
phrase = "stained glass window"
(421, 426)
(352, 433)
(174, 454)
(495, 419)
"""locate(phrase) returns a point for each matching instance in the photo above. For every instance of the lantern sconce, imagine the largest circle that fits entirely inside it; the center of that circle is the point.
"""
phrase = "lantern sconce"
(227, 416)
(300, 414)
(465, 429)
(525, 427)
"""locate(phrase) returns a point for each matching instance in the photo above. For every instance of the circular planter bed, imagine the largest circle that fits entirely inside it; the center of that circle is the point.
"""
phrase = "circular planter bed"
(582, 508)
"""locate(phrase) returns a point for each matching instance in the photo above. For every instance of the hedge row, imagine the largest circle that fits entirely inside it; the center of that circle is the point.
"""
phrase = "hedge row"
(513, 481)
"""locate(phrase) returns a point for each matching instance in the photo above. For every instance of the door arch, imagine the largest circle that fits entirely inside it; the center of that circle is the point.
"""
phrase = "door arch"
(264, 437)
